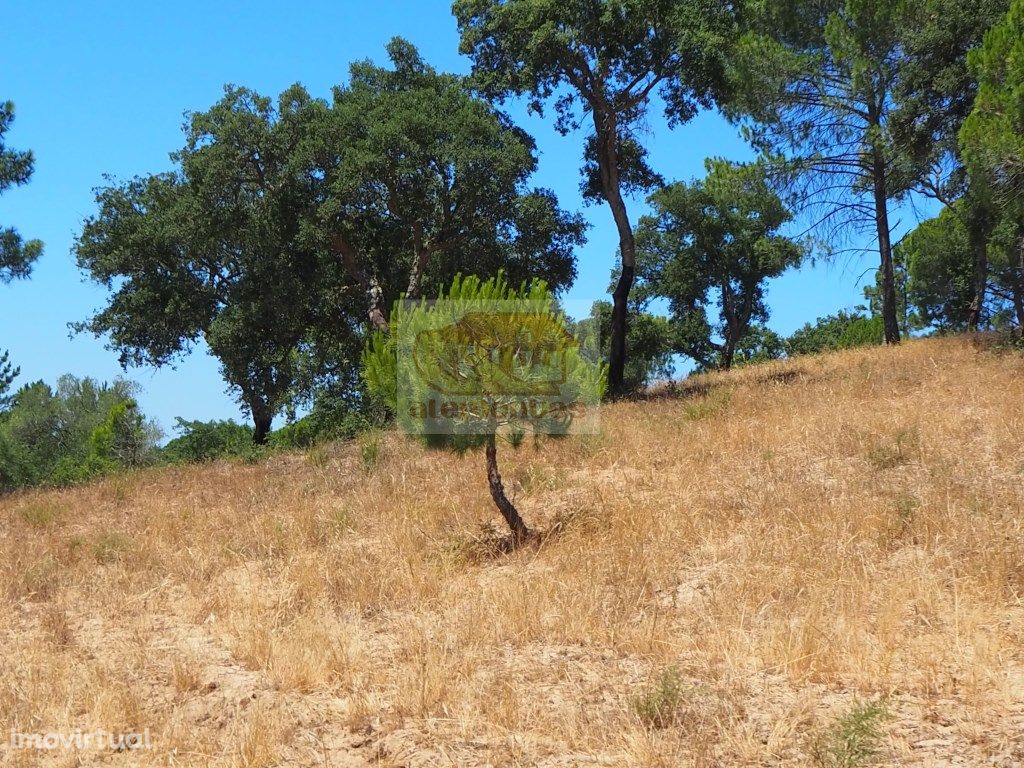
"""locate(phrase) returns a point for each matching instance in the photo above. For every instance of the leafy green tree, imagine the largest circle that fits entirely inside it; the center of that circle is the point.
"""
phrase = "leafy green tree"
(758, 345)
(419, 179)
(816, 86)
(716, 240)
(8, 373)
(991, 138)
(940, 269)
(200, 441)
(71, 433)
(933, 96)
(602, 61)
(486, 362)
(16, 255)
(843, 330)
(211, 252)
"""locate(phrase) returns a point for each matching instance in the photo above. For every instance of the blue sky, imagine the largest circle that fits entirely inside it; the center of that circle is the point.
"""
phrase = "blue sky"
(100, 88)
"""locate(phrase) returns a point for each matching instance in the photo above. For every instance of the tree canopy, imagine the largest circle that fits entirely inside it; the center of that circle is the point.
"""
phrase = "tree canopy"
(286, 225)
(16, 167)
(717, 239)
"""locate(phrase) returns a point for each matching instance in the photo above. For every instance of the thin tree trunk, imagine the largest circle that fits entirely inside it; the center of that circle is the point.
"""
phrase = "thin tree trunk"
(1018, 284)
(608, 166)
(890, 319)
(519, 530)
(979, 249)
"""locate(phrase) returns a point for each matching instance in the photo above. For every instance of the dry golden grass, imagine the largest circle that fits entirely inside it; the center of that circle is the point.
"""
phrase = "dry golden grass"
(736, 569)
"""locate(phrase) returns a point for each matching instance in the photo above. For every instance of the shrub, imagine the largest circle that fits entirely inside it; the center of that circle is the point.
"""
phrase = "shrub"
(659, 705)
(72, 433)
(844, 330)
(202, 441)
(854, 739)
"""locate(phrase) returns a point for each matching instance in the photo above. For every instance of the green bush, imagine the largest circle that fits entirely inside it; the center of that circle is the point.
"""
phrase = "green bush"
(843, 330)
(202, 441)
(73, 433)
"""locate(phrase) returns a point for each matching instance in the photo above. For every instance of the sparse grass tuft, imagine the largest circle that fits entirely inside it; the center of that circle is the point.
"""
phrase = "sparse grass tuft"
(893, 453)
(370, 449)
(110, 547)
(660, 704)
(40, 513)
(854, 740)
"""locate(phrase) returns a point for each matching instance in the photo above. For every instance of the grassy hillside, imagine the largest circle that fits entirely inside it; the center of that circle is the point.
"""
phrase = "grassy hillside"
(818, 562)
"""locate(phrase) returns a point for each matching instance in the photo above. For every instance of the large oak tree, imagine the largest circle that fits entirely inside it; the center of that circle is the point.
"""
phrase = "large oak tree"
(211, 251)
(418, 179)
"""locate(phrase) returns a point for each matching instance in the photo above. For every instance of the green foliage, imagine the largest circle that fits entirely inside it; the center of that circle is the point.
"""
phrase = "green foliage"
(211, 251)
(715, 241)
(601, 62)
(940, 271)
(369, 449)
(202, 441)
(585, 53)
(285, 225)
(71, 434)
(854, 739)
(660, 704)
(421, 179)
(819, 89)
(648, 339)
(8, 373)
(16, 255)
(759, 344)
(992, 137)
(844, 330)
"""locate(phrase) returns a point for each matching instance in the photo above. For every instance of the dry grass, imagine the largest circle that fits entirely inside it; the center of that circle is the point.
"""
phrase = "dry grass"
(735, 568)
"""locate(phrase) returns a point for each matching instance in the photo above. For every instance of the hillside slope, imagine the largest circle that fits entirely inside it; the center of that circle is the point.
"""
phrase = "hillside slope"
(729, 574)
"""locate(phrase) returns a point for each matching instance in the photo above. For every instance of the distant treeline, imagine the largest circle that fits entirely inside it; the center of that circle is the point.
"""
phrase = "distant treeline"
(288, 228)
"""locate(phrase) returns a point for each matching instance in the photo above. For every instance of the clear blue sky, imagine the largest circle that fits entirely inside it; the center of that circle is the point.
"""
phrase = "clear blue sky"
(100, 88)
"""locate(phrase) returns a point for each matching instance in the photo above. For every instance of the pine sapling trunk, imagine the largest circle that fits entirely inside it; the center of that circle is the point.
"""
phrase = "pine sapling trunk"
(519, 530)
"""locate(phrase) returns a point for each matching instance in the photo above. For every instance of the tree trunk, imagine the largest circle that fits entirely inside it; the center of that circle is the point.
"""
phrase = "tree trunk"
(890, 319)
(1018, 284)
(608, 166)
(261, 428)
(376, 312)
(421, 255)
(978, 236)
(519, 530)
